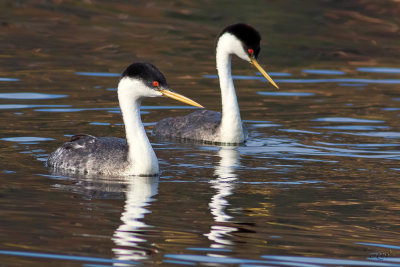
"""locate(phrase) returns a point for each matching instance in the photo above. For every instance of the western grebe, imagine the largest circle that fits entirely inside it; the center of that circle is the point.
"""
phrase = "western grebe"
(211, 126)
(111, 156)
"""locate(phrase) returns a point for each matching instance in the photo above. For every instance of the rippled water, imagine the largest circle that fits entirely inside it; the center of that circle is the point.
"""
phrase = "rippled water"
(315, 185)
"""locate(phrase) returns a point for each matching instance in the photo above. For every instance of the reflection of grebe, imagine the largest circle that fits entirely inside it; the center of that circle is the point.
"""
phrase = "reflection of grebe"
(205, 125)
(128, 237)
(224, 186)
(112, 156)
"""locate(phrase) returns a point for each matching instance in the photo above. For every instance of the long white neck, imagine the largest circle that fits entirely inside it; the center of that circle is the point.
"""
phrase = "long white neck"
(231, 128)
(141, 157)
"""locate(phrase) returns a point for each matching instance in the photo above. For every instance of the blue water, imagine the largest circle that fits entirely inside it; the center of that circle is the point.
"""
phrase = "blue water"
(324, 72)
(4, 79)
(98, 74)
(26, 139)
(65, 257)
(348, 120)
(100, 123)
(30, 96)
(273, 74)
(23, 106)
(380, 70)
(286, 93)
(353, 127)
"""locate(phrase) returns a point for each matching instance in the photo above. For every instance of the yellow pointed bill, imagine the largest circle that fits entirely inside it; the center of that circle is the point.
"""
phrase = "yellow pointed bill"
(264, 73)
(179, 97)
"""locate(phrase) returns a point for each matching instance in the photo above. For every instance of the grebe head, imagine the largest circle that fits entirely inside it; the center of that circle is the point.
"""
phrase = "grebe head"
(244, 41)
(140, 80)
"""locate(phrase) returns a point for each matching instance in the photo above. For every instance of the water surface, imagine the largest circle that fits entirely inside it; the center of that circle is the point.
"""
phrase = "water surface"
(316, 184)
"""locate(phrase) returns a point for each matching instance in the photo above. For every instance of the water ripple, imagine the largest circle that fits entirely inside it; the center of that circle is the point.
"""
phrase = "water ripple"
(390, 109)
(328, 72)
(2, 79)
(379, 245)
(298, 131)
(268, 260)
(291, 149)
(346, 119)
(370, 146)
(375, 134)
(334, 151)
(343, 80)
(276, 74)
(100, 123)
(26, 139)
(380, 70)
(64, 257)
(311, 260)
(30, 96)
(353, 127)
(72, 109)
(20, 106)
(301, 81)
(286, 93)
(353, 84)
(98, 74)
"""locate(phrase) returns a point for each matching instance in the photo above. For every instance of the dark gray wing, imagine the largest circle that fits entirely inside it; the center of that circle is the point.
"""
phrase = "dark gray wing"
(87, 153)
(200, 125)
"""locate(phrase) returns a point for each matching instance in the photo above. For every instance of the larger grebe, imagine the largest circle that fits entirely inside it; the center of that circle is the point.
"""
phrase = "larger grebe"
(210, 126)
(111, 156)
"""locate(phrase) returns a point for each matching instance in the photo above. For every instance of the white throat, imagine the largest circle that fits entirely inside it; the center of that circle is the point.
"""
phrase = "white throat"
(141, 157)
(231, 129)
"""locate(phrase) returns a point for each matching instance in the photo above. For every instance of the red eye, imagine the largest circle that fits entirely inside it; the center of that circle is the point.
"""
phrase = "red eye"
(251, 51)
(156, 84)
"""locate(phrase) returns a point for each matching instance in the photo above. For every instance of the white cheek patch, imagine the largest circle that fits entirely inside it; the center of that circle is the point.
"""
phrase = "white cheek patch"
(129, 88)
(232, 45)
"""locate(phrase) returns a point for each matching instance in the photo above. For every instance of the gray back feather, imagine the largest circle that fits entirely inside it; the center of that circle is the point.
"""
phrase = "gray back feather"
(89, 154)
(199, 125)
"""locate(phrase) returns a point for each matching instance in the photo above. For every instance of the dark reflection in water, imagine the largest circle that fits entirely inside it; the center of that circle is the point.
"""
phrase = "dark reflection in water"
(317, 183)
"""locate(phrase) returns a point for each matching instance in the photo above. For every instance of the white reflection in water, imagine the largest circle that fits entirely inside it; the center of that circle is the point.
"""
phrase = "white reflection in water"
(138, 196)
(130, 237)
(224, 186)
